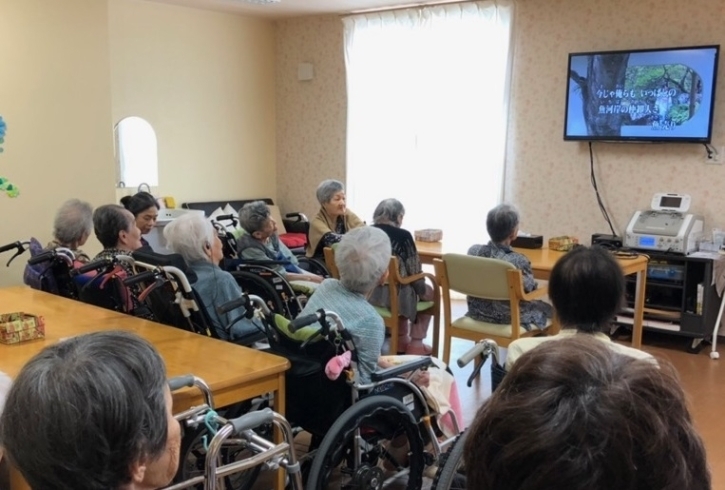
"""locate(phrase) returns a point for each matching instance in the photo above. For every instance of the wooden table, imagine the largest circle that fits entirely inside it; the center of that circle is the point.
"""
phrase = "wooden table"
(233, 372)
(542, 262)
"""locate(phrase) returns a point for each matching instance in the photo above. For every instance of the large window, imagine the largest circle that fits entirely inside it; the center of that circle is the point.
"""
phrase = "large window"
(427, 114)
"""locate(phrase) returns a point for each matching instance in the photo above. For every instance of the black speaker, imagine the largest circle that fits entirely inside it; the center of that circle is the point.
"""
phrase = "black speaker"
(610, 242)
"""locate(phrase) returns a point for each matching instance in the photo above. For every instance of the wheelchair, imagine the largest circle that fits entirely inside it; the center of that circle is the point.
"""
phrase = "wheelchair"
(166, 282)
(354, 425)
(259, 278)
(451, 473)
(229, 449)
(47, 270)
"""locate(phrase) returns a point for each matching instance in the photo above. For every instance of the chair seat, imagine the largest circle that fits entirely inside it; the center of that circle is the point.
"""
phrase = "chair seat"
(421, 306)
(495, 329)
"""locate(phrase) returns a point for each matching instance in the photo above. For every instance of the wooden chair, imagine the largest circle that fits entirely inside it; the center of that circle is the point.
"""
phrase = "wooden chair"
(488, 279)
(390, 315)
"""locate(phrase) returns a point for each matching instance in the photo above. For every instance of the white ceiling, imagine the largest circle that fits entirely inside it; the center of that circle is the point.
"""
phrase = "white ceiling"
(295, 8)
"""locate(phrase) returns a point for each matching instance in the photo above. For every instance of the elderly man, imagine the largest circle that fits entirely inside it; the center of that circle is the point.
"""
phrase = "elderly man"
(260, 242)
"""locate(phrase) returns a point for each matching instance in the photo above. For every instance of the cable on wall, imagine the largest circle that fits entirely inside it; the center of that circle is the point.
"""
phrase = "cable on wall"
(602, 208)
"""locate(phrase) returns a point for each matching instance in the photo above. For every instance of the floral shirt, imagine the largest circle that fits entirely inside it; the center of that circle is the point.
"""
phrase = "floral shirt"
(494, 311)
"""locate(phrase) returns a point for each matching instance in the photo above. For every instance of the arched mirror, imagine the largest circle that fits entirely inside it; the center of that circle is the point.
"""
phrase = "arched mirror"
(136, 153)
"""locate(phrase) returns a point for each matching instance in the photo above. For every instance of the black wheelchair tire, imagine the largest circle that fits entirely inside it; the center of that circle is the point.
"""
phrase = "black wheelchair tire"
(253, 284)
(337, 439)
(449, 475)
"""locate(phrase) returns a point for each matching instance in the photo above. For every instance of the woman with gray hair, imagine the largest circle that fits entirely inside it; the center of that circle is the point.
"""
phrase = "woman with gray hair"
(412, 327)
(362, 258)
(260, 242)
(72, 226)
(193, 237)
(116, 229)
(332, 220)
(101, 416)
(502, 224)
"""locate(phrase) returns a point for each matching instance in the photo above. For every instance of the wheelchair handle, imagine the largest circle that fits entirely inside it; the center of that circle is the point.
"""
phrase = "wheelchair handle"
(42, 257)
(252, 420)
(92, 266)
(243, 300)
(10, 246)
(303, 321)
(178, 382)
(140, 277)
(485, 347)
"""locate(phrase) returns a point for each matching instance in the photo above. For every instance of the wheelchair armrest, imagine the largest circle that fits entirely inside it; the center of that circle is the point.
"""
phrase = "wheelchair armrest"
(395, 371)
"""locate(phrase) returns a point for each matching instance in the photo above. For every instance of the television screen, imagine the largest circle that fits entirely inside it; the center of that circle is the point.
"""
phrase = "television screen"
(651, 95)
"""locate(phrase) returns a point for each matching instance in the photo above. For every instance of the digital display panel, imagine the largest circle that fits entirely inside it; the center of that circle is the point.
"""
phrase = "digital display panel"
(670, 202)
(642, 95)
(646, 241)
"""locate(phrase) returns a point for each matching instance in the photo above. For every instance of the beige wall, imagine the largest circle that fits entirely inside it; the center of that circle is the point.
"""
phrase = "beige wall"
(205, 82)
(55, 97)
(311, 115)
(547, 177)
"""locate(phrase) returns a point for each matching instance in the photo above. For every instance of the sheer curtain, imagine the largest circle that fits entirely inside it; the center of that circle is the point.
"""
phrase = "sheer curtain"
(427, 113)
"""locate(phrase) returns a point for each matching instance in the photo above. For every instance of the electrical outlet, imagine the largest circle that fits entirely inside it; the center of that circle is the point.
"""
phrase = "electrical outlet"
(717, 157)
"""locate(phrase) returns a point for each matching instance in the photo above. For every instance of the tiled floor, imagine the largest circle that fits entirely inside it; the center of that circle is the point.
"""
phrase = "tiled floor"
(702, 378)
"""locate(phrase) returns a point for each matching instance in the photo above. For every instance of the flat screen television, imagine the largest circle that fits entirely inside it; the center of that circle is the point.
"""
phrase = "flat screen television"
(644, 95)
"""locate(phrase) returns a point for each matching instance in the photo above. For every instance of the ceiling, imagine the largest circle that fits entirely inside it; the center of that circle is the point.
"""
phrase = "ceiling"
(295, 8)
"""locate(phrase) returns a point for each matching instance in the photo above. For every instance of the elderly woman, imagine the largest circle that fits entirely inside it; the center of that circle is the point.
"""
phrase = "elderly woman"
(145, 210)
(101, 416)
(587, 289)
(72, 226)
(362, 258)
(502, 224)
(576, 414)
(412, 328)
(195, 239)
(116, 229)
(332, 220)
(260, 242)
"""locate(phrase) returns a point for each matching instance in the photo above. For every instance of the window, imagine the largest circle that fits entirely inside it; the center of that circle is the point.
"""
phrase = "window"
(427, 114)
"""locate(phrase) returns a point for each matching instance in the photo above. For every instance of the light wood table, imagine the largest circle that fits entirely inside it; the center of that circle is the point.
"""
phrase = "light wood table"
(542, 262)
(233, 372)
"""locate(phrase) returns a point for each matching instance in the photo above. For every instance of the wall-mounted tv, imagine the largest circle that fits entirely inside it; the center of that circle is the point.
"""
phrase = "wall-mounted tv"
(645, 95)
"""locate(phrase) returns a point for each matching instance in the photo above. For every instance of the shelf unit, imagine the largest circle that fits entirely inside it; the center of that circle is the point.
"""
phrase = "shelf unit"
(671, 296)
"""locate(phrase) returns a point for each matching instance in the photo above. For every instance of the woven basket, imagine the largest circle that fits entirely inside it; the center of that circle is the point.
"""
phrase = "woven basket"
(429, 235)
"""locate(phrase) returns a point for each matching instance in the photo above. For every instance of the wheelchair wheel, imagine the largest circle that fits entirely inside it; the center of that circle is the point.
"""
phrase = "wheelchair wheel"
(451, 474)
(253, 284)
(372, 423)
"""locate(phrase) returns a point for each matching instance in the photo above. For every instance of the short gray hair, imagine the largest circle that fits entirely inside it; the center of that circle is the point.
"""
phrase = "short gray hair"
(389, 211)
(189, 235)
(98, 404)
(109, 221)
(501, 222)
(327, 189)
(73, 220)
(362, 256)
(253, 216)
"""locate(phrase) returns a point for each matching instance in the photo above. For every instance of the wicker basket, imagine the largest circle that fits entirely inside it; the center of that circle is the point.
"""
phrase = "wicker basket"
(19, 327)
(563, 243)
(429, 235)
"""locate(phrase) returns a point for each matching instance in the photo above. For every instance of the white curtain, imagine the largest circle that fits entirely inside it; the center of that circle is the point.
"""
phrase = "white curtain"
(427, 114)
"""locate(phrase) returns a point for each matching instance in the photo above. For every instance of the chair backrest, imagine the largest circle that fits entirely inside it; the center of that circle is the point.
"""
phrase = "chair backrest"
(330, 262)
(478, 276)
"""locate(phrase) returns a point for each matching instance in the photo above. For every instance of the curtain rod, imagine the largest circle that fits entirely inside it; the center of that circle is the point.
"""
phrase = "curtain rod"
(405, 7)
